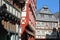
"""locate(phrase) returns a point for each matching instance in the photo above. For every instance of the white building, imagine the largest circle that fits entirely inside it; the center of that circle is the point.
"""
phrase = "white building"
(45, 22)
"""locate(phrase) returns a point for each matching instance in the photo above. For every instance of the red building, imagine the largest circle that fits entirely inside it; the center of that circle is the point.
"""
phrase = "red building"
(28, 18)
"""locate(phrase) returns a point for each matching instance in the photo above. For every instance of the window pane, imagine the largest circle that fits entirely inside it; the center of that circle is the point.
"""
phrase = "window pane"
(50, 16)
(8, 24)
(16, 28)
(23, 14)
(56, 24)
(37, 32)
(13, 37)
(16, 37)
(11, 9)
(42, 24)
(49, 32)
(16, 13)
(8, 7)
(46, 23)
(49, 24)
(42, 32)
(37, 24)
(42, 15)
(53, 24)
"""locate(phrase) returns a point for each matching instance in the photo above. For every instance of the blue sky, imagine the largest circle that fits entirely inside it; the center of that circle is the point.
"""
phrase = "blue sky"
(53, 5)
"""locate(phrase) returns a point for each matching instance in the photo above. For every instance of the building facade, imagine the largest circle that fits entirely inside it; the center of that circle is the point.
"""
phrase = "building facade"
(13, 14)
(10, 15)
(46, 25)
(57, 15)
(28, 32)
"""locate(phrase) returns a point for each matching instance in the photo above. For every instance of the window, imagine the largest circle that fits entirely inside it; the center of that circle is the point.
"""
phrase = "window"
(16, 28)
(50, 16)
(12, 27)
(45, 9)
(14, 37)
(50, 24)
(46, 23)
(37, 32)
(8, 24)
(23, 14)
(56, 24)
(17, 37)
(42, 24)
(8, 7)
(37, 24)
(42, 32)
(42, 15)
(48, 32)
(16, 13)
(53, 24)
(20, 31)
(11, 9)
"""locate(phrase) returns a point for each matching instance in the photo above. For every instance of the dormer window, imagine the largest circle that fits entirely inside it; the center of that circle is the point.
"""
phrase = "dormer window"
(45, 8)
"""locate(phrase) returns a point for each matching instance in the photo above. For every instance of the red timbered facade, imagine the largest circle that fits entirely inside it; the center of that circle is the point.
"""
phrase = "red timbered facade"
(28, 20)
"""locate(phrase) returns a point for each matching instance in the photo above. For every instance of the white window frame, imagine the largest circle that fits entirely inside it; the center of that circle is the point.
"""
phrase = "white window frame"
(18, 14)
(13, 11)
